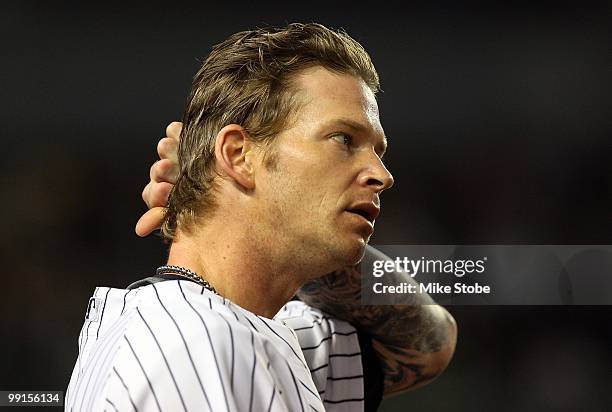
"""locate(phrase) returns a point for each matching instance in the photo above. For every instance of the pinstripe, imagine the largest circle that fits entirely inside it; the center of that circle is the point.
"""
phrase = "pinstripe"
(338, 341)
(114, 335)
(124, 297)
(87, 331)
(344, 333)
(112, 404)
(315, 322)
(212, 348)
(231, 333)
(319, 368)
(229, 306)
(100, 370)
(110, 333)
(313, 408)
(117, 333)
(344, 355)
(232, 343)
(126, 388)
(244, 316)
(93, 362)
(337, 355)
(252, 325)
(143, 371)
(344, 400)
(165, 359)
(272, 399)
(185, 342)
(283, 339)
(103, 309)
(344, 378)
(307, 388)
(252, 371)
(317, 345)
(297, 390)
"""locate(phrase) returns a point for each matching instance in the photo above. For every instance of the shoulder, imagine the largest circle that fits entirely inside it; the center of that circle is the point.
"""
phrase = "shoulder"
(182, 347)
(177, 314)
(310, 323)
(332, 351)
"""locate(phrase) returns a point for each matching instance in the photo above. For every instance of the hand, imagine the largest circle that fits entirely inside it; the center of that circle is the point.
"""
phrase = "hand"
(163, 176)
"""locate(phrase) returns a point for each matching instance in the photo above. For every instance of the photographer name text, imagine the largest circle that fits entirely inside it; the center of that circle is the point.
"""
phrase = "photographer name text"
(431, 288)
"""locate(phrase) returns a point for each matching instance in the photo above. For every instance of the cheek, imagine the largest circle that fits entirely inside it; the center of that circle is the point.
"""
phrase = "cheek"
(309, 179)
(301, 199)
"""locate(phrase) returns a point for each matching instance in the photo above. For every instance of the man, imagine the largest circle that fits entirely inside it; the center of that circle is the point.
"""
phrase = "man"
(279, 178)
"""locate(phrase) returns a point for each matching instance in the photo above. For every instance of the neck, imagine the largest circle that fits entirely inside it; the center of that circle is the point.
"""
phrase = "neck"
(240, 265)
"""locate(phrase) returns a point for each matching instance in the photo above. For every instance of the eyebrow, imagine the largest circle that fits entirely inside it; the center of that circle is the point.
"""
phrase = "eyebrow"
(360, 128)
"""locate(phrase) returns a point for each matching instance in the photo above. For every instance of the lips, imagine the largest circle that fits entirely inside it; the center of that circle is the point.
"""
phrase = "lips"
(367, 210)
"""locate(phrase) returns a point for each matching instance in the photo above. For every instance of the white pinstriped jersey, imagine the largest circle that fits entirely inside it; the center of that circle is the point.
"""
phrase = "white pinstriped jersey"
(174, 346)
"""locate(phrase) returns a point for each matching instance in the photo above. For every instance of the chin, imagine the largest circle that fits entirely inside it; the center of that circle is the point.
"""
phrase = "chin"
(338, 252)
(352, 251)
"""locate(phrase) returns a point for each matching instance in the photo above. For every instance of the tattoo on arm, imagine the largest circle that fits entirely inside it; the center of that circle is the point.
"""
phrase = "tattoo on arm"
(408, 339)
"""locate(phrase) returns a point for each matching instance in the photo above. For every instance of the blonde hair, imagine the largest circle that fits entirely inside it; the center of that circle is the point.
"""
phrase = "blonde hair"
(248, 80)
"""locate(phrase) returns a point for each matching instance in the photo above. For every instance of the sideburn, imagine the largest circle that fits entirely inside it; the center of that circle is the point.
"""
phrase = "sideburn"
(271, 160)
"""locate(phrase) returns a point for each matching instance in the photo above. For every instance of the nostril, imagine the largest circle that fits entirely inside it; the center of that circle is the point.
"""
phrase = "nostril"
(375, 182)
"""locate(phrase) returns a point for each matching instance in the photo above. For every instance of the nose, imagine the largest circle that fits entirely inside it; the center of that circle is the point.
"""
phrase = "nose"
(376, 176)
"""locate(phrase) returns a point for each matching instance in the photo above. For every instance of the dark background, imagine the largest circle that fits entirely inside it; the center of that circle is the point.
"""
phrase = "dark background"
(499, 123)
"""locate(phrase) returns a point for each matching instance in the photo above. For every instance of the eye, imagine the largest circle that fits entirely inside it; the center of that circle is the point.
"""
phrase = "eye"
(343, 138)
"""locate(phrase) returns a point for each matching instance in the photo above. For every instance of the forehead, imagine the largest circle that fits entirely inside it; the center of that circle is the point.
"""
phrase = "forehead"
(327, 97)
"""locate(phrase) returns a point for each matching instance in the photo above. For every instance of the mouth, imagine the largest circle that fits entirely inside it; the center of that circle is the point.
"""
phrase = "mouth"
(366, 210)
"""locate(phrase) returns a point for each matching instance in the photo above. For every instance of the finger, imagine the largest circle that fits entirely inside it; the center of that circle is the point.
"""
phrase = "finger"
(156, 195)
(145, 194)
(173, 130)
(164, 171)
(150, 221)
(167, 148)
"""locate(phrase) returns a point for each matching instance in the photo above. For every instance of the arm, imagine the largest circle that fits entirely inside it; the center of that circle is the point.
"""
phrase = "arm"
(414, 343)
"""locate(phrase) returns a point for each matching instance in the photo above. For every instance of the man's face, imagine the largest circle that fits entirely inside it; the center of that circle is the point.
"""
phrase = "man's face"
(322, 196)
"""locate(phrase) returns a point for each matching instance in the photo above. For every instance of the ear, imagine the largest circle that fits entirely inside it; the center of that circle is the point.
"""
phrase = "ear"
(233, 148)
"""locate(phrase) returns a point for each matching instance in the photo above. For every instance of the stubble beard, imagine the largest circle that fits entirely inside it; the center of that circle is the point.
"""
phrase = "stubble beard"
(315, 244)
